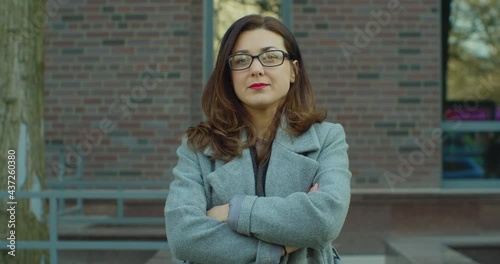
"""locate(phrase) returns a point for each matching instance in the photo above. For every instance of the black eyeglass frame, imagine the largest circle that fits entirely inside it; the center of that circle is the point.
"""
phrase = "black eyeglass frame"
(285, 55)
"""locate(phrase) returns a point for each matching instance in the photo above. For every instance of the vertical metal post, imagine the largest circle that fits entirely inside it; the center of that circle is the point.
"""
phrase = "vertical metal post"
(53, 232)
(79, 167)
(208, 38)
(120, 209)
(79, 177)
(286, 13)
(60, 177)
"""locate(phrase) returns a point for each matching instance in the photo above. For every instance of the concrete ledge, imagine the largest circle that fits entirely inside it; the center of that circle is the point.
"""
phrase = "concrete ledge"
(434, 250)
(426, 191)
(102, 232)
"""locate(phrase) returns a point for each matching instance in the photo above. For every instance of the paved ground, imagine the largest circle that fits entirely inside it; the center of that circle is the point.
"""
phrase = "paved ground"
(370, 259)
(163, 257)
(98, 232)
(115, 257)
(106, 257)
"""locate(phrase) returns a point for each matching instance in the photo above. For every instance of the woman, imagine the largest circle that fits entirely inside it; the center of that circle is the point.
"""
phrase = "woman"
(263, 179)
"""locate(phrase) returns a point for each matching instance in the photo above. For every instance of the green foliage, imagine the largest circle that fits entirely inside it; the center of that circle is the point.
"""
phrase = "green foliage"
(474, 51)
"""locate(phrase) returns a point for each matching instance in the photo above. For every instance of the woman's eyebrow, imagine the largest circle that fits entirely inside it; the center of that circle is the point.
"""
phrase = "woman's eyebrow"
(268, 48)
(263, 49)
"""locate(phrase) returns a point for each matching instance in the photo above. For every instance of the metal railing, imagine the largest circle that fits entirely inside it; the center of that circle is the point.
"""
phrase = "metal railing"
(54, 244)
(100, 186)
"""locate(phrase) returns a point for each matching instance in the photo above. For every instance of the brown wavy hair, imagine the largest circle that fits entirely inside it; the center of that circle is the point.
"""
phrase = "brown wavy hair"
(225, 115)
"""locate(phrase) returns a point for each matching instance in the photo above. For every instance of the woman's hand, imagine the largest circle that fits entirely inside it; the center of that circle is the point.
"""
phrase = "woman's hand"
(292, 249)
(314, 188)
(288, 250)
(219, 212)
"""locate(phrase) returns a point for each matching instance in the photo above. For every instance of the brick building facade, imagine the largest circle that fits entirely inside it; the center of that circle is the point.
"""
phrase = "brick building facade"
(375, 67)
(124, 79)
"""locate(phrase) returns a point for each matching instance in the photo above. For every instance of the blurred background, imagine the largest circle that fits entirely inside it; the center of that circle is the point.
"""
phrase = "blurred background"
(95, 94)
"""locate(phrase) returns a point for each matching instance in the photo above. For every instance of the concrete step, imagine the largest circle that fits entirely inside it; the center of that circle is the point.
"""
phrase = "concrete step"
(105, 231)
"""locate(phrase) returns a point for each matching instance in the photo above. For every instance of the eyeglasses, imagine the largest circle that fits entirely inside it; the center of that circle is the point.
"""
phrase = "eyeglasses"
(270, 58)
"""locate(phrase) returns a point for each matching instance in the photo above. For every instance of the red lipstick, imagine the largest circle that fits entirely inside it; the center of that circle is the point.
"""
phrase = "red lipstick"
(258, 86)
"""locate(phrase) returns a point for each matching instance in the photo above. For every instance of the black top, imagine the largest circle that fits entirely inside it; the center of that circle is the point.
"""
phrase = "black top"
(259, 173)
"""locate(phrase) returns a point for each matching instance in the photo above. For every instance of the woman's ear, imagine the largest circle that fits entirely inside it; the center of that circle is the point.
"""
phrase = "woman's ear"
(295, 70)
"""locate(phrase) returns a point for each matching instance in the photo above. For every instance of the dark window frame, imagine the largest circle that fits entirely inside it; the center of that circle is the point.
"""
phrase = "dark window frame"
(459, 125)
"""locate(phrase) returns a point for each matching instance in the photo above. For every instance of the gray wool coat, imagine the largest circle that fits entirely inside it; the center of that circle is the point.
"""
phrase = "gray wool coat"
(288, 215)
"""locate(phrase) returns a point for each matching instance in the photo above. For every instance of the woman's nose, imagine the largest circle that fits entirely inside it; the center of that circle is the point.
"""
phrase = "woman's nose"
(256, 68)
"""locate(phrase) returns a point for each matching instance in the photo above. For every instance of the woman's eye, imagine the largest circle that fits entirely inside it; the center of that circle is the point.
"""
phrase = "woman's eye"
(270, 56)
(240, 60)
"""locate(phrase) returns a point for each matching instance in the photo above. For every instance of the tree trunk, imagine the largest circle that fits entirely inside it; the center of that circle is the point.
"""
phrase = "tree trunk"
(21, 128)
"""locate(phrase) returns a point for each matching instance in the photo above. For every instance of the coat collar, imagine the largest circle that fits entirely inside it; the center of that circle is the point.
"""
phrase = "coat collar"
(287, 158)
(306, 142)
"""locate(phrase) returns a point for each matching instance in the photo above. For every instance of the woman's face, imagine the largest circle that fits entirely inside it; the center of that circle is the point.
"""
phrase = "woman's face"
(259, 87)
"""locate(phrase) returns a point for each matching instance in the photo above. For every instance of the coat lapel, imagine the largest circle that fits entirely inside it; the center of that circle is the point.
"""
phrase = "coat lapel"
(307, 142)
(234, 177)
(290, 169)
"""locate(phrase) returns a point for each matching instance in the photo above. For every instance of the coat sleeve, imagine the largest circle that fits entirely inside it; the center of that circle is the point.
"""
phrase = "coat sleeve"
(300, 219)
(194, 236)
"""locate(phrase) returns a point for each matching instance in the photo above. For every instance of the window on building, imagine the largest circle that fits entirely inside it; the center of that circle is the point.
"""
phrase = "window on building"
(471, 106)
(228, 11)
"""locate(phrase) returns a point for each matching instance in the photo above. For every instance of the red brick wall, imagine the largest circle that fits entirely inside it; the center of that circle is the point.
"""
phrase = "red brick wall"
(120, 76)
(381, 82)
(386, 93)
(379, 76)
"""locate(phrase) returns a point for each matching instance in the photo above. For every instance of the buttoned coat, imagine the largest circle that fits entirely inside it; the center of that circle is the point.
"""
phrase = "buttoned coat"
(288, 215)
